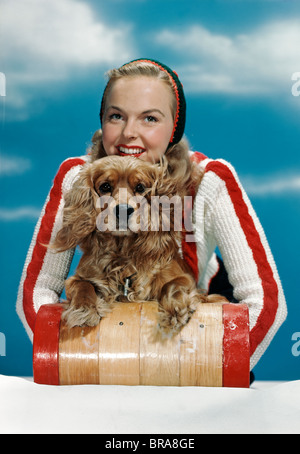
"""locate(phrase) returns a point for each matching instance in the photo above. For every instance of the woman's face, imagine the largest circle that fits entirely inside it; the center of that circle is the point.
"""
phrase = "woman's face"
(138, 118)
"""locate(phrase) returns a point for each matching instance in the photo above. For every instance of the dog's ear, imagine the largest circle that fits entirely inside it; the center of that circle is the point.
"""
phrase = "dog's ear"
(79, 213)
(167, 183)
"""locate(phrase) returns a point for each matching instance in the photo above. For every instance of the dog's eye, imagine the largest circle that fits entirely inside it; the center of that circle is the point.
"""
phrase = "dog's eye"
(105, 188)
(140, 188)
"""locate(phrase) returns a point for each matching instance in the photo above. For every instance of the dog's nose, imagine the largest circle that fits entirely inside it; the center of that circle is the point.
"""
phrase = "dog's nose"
(123, 211)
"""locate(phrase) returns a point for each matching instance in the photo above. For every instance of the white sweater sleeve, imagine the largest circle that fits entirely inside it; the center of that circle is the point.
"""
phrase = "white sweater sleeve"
(246, 255)
(44, 271)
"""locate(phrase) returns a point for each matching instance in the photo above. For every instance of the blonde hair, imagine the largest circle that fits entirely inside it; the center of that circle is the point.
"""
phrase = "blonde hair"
(136, 69)
(176, 155)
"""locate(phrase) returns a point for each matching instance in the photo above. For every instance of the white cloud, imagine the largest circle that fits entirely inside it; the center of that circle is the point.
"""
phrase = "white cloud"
(261, 61)
(12, 165)
(19, 214)
(272, 185)
(48, 40)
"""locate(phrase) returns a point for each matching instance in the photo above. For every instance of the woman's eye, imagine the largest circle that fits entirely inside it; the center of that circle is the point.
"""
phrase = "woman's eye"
(151, 119)
(105, 188)
(115, 116)
(140, 188)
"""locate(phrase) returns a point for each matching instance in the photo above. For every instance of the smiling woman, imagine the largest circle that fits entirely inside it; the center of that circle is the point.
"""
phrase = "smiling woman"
(147, 73)
(143, 115)
(142, 129)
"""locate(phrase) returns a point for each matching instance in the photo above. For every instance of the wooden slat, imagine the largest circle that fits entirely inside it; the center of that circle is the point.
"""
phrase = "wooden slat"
(159, 361)
(119, 345)
(201, 347)
(78, 355)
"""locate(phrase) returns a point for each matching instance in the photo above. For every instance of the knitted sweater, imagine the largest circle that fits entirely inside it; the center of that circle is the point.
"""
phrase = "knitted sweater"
(222, 217)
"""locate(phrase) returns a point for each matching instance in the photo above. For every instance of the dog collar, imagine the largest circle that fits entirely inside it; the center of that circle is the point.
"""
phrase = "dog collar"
(127, 285)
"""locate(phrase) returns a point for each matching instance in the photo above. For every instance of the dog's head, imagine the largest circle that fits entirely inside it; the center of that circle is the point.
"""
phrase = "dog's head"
(124, 187)
(112, 195)
(121, 196)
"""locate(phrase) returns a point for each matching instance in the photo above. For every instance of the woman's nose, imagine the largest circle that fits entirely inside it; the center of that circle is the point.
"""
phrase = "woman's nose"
(130, 130)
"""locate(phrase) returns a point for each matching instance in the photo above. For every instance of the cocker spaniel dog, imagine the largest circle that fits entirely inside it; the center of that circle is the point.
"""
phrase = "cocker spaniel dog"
(126, 215)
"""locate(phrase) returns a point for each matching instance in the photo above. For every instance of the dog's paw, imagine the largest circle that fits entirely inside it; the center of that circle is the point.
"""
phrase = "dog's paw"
(81, 316)
(85, 314)
(172, 321)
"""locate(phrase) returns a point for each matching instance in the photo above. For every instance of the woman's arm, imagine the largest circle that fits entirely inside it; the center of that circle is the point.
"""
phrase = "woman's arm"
(247, 257)
(44, 272)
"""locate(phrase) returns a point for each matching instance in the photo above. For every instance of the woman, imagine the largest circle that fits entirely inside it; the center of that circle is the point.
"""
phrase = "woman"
(143, 114)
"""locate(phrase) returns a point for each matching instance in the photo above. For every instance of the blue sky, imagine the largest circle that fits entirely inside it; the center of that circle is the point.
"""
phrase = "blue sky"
(236, 59)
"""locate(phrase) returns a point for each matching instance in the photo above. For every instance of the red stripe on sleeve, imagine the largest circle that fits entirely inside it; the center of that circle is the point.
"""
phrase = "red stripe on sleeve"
(270, 288)
(43, 237)
(189, 252)
(189, 248)
(198, 157)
